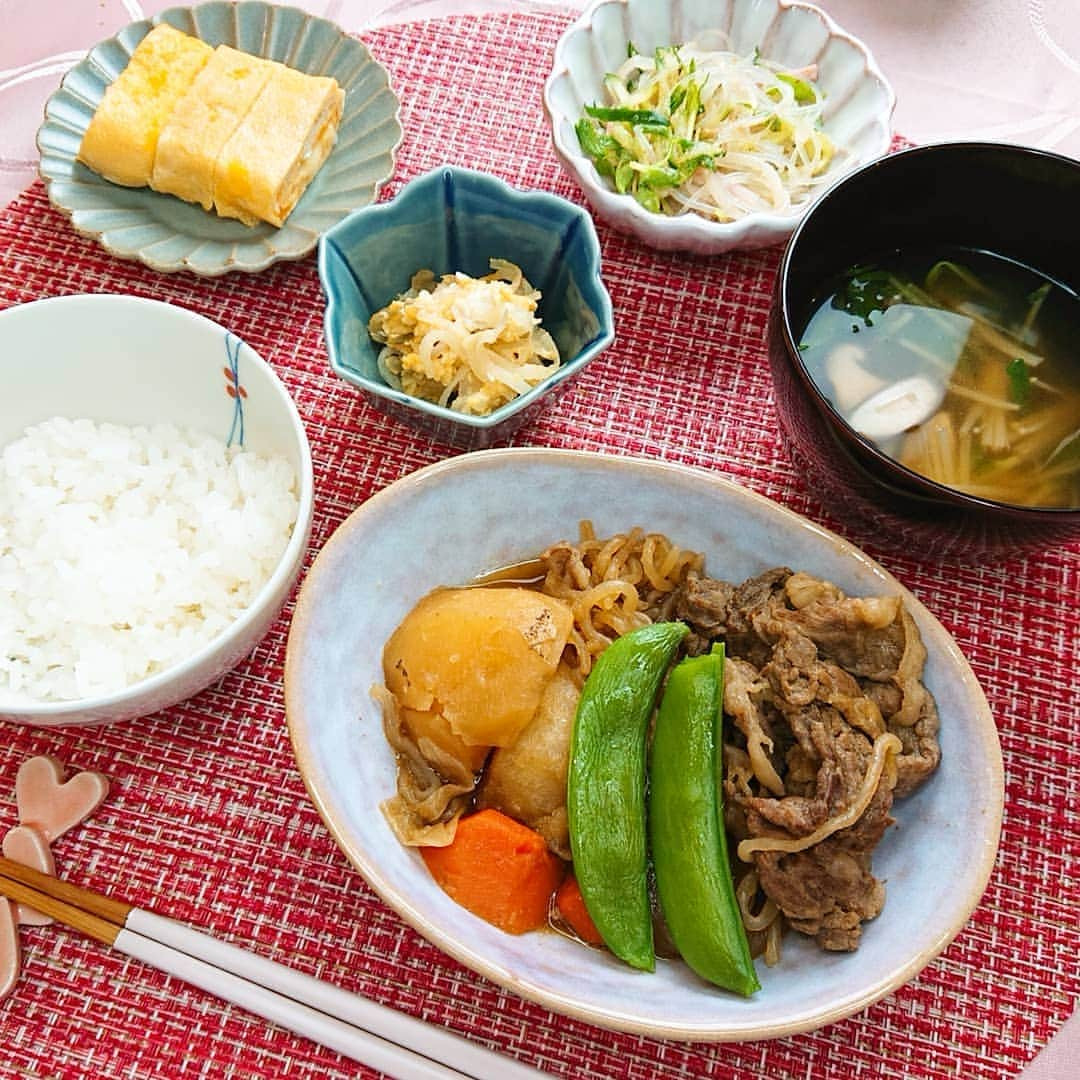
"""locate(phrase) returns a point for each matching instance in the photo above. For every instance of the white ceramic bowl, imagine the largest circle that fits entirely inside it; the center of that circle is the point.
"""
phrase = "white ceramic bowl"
(857, 112)
(451, 521)
(133, 361)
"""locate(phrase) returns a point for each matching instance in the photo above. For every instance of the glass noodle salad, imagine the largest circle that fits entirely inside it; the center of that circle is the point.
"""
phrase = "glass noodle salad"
(690, 129)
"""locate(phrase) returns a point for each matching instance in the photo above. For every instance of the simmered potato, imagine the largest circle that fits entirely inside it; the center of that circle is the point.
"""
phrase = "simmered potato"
(431, 727)
(472, 664)
(527, 781)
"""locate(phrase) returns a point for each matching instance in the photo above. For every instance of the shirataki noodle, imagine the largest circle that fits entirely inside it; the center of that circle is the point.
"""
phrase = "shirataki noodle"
(612, 584)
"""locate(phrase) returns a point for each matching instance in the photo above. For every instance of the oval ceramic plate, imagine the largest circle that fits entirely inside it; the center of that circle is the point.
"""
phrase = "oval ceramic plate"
(168, 234)
(451, 521)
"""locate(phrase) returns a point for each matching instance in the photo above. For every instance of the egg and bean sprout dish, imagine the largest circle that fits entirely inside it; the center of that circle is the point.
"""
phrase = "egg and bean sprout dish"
(559, 729)
(697, 130)
(468, 344)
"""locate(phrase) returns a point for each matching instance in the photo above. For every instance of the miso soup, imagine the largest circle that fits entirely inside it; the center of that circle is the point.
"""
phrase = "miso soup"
(965, 369)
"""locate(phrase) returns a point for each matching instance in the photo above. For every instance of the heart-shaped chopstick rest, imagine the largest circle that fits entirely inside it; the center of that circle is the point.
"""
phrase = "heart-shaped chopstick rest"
(51, 804)
(48, 807)
(10, 949)
(24, 844)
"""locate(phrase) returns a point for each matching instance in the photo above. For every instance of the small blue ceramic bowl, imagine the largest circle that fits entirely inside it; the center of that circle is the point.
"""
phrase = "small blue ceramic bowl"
(451, 220)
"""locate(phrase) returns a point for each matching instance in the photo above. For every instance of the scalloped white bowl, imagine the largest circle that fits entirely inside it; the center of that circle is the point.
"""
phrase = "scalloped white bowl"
(858, 100)
(168, 234)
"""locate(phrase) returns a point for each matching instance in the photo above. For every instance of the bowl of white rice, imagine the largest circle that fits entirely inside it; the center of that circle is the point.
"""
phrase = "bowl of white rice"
(155, 506)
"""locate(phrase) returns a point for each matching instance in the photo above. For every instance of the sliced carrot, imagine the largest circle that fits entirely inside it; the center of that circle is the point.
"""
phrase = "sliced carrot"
(572, 908)
(499, 869)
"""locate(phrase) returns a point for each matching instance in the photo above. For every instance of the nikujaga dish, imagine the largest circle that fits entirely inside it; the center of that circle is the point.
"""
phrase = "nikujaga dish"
(442, 539)
(534, 700)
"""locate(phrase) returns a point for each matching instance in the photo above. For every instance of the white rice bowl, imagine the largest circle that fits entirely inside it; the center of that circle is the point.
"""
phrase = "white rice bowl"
(154, 521)
(123, 550)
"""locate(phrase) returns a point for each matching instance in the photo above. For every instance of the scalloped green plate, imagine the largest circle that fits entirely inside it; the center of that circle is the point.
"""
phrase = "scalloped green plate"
(169, 235)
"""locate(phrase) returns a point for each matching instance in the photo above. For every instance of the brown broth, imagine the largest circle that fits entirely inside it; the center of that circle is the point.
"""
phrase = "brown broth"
(529, 572)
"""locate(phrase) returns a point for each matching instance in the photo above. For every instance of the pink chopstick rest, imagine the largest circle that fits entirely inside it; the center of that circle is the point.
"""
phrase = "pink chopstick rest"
(51, 804)
(24, 844)
(10, 949)
(48, 806)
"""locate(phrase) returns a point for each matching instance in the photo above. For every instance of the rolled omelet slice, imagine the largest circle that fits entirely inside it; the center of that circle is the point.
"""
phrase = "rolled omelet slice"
(269, 160)
(121, 140)
(204, 120)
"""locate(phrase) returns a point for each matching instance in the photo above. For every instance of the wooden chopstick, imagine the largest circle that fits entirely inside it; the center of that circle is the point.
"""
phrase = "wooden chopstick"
(379, 1037)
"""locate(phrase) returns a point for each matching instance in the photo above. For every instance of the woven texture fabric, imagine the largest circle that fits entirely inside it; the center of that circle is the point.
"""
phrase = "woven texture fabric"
(208, 818)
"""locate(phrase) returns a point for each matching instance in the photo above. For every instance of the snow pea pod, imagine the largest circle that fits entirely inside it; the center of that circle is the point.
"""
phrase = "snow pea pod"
(606, 787)
(686, 827)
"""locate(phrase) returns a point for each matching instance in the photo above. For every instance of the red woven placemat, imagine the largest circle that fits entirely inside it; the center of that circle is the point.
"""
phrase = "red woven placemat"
(207, 807)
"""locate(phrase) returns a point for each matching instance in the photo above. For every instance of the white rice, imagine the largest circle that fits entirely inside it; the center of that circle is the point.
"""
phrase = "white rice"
(125, 550)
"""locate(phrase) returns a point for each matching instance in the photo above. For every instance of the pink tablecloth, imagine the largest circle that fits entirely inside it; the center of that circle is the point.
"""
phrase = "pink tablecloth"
(208, 816)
